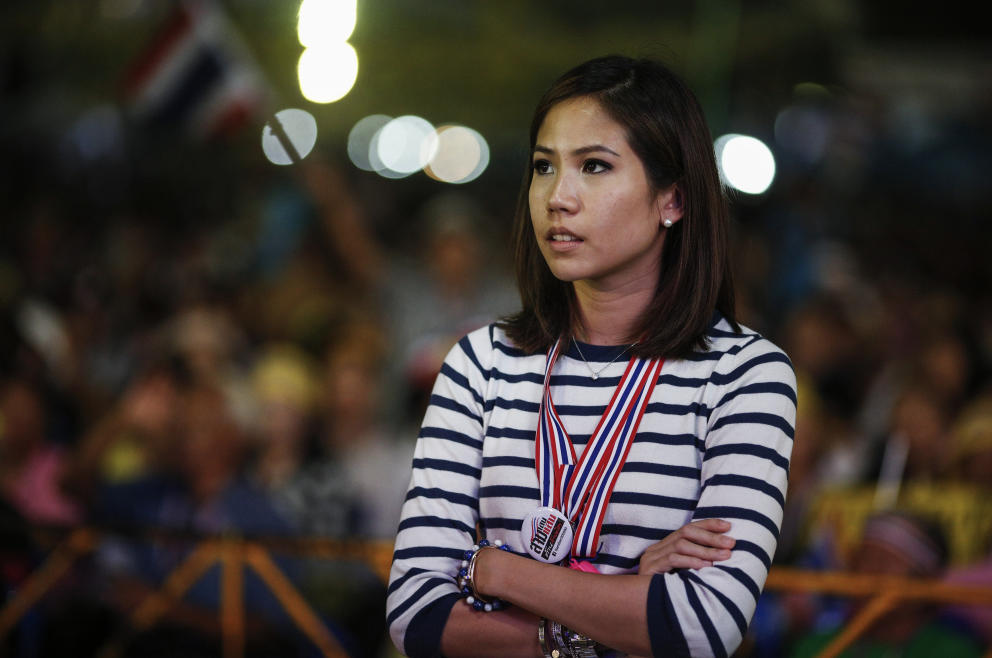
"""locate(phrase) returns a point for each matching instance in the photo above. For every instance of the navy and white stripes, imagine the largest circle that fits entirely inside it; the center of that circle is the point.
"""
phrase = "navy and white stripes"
(714, 441)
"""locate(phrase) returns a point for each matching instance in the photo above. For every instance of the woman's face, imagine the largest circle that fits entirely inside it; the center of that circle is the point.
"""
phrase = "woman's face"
(596, 218)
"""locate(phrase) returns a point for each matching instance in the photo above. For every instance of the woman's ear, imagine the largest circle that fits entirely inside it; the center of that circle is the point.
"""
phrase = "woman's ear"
(670, 206)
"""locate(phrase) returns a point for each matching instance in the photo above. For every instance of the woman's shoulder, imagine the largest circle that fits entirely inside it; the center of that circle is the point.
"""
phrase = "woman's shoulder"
(739, 360)
(735, 354)
(488, 346)
(726, 338)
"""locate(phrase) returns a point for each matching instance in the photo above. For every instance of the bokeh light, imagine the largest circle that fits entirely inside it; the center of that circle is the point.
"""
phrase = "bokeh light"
(811, 90)
(323, 22)
(745, 163)
(378, 166)
(462, 155)
(300, 128)
(360, 140)
(327, 72)
(406, 144)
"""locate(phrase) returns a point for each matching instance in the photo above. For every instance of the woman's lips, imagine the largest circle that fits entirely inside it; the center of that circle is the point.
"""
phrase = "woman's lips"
(563, 240)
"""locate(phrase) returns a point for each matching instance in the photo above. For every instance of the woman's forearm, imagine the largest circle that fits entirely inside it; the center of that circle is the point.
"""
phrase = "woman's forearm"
(472, 634)
(610, 609)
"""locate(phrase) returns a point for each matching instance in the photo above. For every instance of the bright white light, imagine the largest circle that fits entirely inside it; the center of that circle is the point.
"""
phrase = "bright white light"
(376, 162)
(462, 155)
(405, 144)
(301, 129)
(327, 72)
(325, 21)
(745, 163)
(360, 140)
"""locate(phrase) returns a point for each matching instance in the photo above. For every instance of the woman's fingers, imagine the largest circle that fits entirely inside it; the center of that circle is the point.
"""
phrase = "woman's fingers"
(689, 548)
(700, 534)
(693, 546)
(718, 525)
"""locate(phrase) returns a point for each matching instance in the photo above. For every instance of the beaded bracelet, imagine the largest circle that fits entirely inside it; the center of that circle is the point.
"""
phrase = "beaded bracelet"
(466, 578)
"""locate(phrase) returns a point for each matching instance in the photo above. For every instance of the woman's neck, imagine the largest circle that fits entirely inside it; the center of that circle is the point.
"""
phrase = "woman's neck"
(610, 316)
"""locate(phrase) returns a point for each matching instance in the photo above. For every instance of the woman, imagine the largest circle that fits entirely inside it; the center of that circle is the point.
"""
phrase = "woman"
(660, 437)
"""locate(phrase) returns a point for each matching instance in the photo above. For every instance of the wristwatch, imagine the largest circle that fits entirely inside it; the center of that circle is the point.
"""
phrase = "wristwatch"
(580, 646)
(558, 641)
(577, 645)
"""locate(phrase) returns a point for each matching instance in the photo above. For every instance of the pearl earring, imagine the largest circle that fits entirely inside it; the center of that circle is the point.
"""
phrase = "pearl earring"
(667, 223)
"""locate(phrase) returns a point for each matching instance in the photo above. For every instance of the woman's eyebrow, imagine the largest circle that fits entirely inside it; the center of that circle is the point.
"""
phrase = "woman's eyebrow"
(582, 150)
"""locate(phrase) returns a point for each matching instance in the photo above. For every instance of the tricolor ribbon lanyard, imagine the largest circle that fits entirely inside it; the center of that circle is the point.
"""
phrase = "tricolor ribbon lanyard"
(580, 489)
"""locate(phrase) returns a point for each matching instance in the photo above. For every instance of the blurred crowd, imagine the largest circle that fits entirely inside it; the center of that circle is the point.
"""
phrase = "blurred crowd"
(140, 389)
(265, 376)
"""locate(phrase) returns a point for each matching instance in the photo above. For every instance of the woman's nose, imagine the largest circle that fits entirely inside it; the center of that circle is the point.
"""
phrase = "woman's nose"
(562, 196)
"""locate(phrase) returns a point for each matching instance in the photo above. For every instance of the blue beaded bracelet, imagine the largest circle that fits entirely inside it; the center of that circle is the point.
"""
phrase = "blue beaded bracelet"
(466, 578)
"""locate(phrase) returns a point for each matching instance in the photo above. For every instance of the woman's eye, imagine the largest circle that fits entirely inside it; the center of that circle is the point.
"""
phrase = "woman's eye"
(595, 167)
(542, 167)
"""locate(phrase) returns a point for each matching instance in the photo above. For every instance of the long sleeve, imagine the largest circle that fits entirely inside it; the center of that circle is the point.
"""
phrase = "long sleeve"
(715, 441)
(441, 508)
(748, 433)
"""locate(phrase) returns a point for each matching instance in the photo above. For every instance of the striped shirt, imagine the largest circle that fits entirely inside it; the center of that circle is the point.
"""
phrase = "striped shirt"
(714, 442)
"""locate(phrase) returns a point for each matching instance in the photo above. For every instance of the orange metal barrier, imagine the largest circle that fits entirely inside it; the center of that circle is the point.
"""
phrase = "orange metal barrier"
(883, 593)
(236, 554)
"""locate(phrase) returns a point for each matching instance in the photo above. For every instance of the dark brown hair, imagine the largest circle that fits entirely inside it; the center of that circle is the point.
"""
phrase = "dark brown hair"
(667, 130)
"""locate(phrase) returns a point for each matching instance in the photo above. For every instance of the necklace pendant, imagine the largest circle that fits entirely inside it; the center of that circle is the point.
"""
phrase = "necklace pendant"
(595, 375)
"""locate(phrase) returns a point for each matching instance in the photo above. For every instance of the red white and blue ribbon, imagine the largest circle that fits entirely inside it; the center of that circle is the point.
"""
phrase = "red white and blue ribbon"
(581, 488)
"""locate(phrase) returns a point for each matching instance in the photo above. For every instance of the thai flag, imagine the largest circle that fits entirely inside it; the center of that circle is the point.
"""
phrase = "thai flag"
(195, 74)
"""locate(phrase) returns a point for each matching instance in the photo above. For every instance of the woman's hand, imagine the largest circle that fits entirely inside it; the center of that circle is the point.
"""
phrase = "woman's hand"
(693, 546)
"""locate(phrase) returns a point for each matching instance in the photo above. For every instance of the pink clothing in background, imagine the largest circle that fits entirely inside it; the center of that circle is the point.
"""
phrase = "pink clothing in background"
(34, 491)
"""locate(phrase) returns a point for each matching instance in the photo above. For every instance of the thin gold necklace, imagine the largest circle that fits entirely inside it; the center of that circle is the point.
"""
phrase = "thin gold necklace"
(595, 373)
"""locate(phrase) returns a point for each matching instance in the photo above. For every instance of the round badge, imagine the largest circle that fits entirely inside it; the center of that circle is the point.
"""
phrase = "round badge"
(547, 535)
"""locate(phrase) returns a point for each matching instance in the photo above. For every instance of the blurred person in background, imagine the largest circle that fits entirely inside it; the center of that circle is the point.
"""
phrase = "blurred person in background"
(206, 337)
(353, 431)
(455, 283)
(916, 444)
(898, 544)
(208, 494)
(971, 466)
(31, 472)
(951, 366)
(881, 421)
(325, 451)
(31, 467)
(135, 438)
(284, 390)
(970, 458)
(829, 452)
(333, 468)
(446, 280)
(828, 354)
(913, 468)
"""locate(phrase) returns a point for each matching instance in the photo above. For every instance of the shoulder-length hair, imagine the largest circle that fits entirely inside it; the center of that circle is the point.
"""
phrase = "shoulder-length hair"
(667, 130)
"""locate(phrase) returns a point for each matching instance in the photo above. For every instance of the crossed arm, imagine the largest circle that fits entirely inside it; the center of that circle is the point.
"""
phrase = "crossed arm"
(683, 598)
(613, 608)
